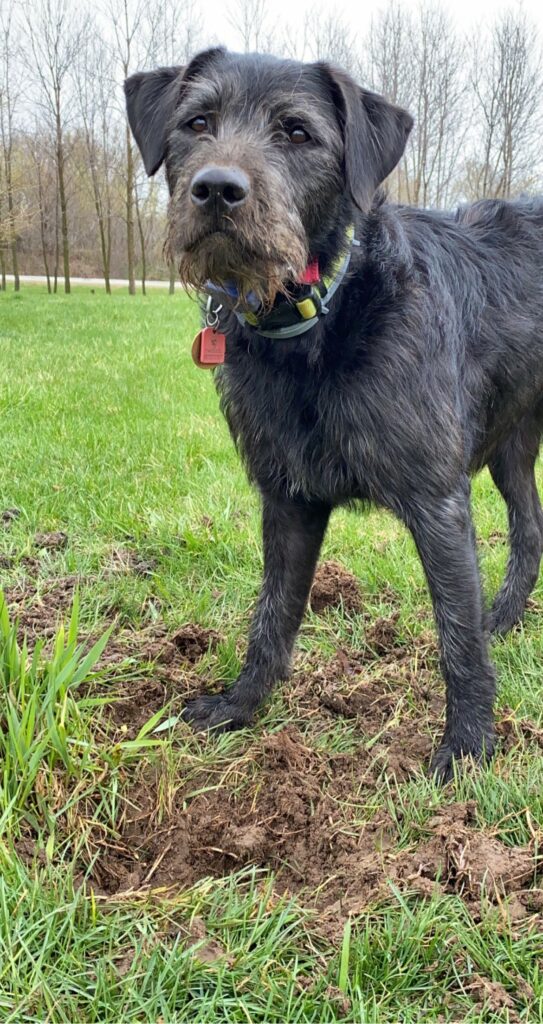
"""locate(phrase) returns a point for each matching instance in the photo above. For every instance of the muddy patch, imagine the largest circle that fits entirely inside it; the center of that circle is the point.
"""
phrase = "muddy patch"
(54, 541)
(168, 664)
(40, 606)
(335, 587)
(9, 516)
(301, 813)
(309, 815)
(123, 561)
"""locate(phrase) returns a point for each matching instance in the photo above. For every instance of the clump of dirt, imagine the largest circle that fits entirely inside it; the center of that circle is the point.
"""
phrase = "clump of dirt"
(156, 643)
(9, 515)
(173, 657)
(492, 996)
(334, 587)
(54, 541)
(462, 859)
(513, 730)
(190, 642)
(136, 701)
(40, 605)
(127, 560)
(382, 635)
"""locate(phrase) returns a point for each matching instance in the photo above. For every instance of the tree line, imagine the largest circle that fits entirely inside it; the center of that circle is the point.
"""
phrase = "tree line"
(74, 199)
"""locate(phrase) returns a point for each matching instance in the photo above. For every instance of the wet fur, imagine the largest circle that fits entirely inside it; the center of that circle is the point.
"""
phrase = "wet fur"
(428, 367)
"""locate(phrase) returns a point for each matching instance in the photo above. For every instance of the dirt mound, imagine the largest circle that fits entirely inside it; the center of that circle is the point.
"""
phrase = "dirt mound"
(54, 541)
(289, 806)
(9, 515)
(157, 644)
(469, 862)
(170, 657)
(126, 560)
(334, 587)
(39, 606)
(301, 813)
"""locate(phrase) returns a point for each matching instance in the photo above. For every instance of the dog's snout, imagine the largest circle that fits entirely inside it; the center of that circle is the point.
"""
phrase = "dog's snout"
(222, 188)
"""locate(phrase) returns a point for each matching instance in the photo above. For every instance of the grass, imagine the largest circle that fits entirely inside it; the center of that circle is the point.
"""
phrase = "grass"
(111, 435)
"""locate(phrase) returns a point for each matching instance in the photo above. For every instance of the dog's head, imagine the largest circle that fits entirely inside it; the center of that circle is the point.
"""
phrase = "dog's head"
(261, 157)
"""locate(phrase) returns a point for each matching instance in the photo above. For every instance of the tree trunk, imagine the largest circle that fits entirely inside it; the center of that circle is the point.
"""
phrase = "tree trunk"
(2, 270)
(43, 233)
(63, 207)
(101, 228)
(55, 277)
(11, 220)
(14, 254)
(130, 214)
(173, 276)
(142, 244)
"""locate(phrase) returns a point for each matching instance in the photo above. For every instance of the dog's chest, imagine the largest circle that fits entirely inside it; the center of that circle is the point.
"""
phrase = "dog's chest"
(301, 434)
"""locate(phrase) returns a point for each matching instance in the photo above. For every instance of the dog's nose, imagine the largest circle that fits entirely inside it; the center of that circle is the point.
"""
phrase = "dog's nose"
(221, 187)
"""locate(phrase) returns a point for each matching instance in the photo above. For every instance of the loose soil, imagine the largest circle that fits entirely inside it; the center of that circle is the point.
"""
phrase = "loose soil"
(38, 606)
(170, 677)
(333, 587)
(286, 803)
(313, 817)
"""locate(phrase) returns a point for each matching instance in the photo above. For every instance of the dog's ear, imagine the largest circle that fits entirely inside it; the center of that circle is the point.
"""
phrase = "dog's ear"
(375, 134)
(151, 100)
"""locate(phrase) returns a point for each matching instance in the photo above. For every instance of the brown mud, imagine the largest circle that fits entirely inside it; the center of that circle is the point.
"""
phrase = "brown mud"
(318, 818)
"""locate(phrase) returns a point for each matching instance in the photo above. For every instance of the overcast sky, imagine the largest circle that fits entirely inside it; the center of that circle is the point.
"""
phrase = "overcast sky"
(466, 13)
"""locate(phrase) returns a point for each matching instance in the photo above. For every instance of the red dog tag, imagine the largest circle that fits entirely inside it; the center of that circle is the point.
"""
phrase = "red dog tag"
(209, 348)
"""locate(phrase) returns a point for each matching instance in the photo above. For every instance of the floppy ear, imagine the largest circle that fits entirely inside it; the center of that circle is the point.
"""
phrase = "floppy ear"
(375, 134)
(151, 98)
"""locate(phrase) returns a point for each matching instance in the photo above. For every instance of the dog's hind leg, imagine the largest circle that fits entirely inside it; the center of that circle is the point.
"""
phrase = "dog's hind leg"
(443, 532)
(293, 532)
(512, 469)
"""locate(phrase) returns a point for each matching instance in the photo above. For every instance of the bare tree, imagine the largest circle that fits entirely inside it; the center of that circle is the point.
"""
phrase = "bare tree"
(177, 38)
(10, 89)
(417, 60)
(136, 28)
(328, 37)
(93, 84)
(507, 83)
(41, 165)
(250, 18)
(55, 33)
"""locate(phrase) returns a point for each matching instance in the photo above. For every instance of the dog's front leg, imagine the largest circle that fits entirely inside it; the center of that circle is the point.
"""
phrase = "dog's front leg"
(292, 535)
(443, 532)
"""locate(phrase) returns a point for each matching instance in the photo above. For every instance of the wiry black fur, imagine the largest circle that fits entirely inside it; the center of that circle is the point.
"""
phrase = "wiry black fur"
(428, 367)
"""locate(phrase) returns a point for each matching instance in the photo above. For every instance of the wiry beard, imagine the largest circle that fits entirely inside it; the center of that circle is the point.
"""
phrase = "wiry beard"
(261, 258)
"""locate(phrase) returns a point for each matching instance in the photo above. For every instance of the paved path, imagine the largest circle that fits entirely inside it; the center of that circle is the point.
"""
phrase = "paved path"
(93, 282)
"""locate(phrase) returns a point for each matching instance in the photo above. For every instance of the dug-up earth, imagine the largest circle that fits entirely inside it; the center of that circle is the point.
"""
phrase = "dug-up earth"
(287, 799)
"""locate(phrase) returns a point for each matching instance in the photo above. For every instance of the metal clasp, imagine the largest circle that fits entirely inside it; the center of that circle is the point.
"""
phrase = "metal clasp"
(212, 315)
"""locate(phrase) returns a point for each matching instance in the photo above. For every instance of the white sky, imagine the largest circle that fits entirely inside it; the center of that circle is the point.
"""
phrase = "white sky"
(468, 14)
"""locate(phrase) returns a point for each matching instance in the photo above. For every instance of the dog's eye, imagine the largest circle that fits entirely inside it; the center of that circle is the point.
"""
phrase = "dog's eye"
(298, 135)
(199, 125)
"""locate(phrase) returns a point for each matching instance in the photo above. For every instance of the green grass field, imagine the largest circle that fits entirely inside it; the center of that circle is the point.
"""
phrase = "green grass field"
(304, 870)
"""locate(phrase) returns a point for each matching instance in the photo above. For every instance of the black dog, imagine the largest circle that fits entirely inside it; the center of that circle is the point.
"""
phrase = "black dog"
(426, 365)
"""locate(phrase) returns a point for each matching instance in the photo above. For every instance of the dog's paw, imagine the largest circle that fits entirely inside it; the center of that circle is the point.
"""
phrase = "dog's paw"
(502, 619)
(214, 711)
(477, 751)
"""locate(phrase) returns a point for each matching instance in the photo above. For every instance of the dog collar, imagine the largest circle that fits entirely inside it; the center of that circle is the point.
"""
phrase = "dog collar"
(300, 311)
